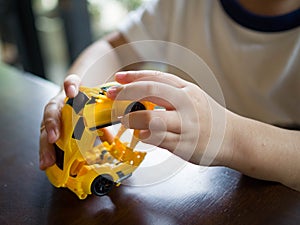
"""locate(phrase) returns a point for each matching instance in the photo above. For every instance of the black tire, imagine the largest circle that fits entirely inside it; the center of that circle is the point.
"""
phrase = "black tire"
(102, 185)
(134, 106)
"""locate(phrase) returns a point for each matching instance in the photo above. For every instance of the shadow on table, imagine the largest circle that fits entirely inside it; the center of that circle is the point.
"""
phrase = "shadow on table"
(208, 200)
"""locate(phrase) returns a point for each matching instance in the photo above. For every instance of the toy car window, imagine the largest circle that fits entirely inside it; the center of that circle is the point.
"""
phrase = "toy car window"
(91, 101)
(135, 106)
(78, 130)
(78, 102)
(60, 155)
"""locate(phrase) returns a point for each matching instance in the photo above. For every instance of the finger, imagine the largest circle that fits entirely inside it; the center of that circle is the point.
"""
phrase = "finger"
(51, 119)
(46, 152)
(159, 93)
(71, 85)
(106, 136)
(166, 140)
(169, 141)
(157, 120)
(126, 77)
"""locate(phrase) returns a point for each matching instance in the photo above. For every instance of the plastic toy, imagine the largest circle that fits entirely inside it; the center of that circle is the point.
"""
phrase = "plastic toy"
(82, 164)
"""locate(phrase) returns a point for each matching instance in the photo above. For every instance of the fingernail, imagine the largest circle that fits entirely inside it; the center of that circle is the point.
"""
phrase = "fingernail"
(72, 90)
(120, 75)
(113, 91)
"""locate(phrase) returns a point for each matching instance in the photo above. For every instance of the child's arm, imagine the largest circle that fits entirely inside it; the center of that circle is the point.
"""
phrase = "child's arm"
(266, 152)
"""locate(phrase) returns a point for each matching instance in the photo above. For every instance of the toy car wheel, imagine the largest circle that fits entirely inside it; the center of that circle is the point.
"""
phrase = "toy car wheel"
(135, 106)
(102, 185)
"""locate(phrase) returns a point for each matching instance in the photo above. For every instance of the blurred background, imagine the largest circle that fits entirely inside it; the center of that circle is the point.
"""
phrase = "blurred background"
(45, 36)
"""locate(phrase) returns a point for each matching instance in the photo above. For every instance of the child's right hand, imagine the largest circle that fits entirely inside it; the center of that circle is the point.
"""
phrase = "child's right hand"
(50, 126)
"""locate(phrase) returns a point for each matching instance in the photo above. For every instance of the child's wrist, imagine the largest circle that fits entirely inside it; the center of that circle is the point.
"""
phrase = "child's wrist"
(226, 153)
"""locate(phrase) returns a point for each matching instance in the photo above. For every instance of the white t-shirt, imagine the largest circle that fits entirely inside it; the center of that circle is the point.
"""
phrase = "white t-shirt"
(258, 71)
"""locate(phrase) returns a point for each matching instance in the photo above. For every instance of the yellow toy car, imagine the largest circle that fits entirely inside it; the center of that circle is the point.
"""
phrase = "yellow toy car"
(82, 164)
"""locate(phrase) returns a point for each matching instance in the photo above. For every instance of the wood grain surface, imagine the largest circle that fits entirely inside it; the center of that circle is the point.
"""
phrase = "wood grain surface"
(192, 195)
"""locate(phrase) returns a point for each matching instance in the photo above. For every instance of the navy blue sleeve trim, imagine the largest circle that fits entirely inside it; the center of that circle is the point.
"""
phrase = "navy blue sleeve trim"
(259, 22)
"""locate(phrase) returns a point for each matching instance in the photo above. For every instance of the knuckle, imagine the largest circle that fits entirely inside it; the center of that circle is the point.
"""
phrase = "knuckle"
(50, 123)
(153, 90)
(158, 73)
(51, 105)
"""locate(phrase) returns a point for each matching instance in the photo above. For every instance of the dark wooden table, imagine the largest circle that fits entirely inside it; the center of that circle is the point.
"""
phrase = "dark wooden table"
(213, 196)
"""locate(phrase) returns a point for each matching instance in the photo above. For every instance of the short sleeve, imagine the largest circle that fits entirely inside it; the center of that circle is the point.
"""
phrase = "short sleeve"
(150, 23)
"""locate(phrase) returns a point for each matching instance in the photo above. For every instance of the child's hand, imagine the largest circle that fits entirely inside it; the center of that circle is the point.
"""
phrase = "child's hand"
(50, 127)
(192, 124)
